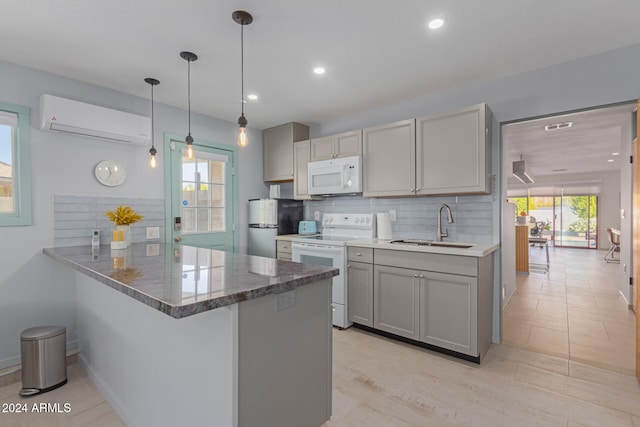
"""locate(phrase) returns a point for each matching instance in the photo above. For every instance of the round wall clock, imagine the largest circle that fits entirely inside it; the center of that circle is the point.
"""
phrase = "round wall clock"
(110, 173)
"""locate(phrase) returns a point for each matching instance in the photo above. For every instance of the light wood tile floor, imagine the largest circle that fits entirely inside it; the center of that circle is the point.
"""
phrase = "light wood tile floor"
(574, 311)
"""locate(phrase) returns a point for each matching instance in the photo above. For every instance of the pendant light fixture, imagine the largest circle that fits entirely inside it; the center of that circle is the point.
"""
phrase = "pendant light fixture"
(243, 18)
(152, 161)
(189, 57)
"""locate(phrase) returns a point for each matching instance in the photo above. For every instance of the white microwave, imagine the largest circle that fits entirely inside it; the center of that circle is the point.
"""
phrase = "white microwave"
(335, 176)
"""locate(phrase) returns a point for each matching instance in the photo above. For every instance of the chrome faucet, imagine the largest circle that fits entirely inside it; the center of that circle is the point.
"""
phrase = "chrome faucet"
(440, 234)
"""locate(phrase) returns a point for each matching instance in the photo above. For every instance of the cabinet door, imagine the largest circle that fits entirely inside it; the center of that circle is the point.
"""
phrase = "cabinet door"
(348, 144)
(389, 159)
(453, 152)
(277, 150)
(300, 179)
(322, 148)
(396, 301)
(360, 293)
(448, 311)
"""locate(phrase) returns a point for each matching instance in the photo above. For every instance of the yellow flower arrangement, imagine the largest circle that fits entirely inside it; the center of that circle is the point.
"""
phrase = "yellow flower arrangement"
(123, 215)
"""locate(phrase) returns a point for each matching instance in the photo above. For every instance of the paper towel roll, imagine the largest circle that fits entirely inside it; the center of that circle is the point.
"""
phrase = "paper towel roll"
(384, 226)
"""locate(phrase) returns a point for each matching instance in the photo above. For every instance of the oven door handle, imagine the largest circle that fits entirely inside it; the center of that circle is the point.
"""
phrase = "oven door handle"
(317, 248)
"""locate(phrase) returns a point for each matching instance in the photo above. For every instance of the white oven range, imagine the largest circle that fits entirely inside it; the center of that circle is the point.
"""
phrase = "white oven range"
(330, 249)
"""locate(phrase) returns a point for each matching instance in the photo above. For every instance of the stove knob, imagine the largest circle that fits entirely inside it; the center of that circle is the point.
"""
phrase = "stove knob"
(367, 220)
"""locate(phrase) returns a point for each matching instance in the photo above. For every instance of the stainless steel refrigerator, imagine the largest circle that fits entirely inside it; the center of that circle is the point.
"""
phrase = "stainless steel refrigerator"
(269, 218)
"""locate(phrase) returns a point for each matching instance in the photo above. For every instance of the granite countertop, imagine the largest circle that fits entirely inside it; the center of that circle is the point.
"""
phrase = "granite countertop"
(185, 280)
(477, 250)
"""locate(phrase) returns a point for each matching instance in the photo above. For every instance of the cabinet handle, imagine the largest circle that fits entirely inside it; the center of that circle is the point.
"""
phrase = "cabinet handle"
(358, 254)
(348, 265)
(411, 190)
(415, 275)
(421, 276)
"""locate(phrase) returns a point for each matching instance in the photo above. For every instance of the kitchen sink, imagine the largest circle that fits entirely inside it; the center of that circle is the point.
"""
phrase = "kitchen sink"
(418, 242)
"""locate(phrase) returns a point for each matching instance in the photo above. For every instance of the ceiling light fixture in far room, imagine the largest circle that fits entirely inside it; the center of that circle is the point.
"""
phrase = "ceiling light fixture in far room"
(558, 126)
(153, 162)
(610, 160)
(319, 70)
(522, 172)
(434, 24)
(615, 153)
(243, 18)
(189, 57)
(252, 97)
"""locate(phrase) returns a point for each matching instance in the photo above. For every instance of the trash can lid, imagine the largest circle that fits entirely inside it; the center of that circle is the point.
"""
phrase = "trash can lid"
(42, 332)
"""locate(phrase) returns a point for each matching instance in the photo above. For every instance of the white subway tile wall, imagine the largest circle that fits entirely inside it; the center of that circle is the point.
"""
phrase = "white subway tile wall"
(75, 218)
(416, 218)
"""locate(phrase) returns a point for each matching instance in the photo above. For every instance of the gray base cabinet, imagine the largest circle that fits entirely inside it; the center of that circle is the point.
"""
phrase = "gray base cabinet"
(396, 301)
(441, 300)
(360, 289)
(283, 250)
(448, 313)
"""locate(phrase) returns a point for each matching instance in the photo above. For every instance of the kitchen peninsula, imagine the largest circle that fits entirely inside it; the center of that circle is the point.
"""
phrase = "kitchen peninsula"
(181, 335)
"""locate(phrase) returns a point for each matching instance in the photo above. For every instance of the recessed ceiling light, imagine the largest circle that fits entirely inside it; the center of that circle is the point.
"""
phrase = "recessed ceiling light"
(252, 96)
(436, 23)
(610, 160)
(615, 154)
(319, 70)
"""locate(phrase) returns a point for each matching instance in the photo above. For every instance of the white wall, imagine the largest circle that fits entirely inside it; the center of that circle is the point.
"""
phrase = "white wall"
(601, 79)
(35, 290)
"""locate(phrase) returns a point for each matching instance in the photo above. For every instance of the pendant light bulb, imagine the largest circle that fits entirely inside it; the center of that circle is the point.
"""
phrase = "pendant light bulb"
(243, 139)
(189, 57)
(152, 151)
(152, 160)
(243, 18)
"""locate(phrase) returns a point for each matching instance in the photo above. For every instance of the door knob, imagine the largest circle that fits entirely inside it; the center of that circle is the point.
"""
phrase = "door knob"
(177, 239)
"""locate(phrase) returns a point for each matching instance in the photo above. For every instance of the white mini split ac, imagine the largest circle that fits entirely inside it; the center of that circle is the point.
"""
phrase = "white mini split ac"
(66, 115)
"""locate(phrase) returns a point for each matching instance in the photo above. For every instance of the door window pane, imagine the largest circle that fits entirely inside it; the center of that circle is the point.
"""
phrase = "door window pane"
(7, 141)
(203, 193)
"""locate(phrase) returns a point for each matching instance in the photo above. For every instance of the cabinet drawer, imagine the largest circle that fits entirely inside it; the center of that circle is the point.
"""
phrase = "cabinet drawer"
(360, 254)
(453, 264)
(283, 246)
(284, 256)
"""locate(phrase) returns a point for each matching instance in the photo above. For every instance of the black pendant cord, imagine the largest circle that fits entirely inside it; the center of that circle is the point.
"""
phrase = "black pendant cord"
(152, 125)
(189, 92)
(242, 66)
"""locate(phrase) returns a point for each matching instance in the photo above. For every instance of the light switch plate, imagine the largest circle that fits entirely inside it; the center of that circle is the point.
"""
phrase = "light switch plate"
(153, 233)
(316, 215)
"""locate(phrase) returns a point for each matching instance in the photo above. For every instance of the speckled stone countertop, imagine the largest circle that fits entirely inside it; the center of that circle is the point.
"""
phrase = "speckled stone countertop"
(184, 280)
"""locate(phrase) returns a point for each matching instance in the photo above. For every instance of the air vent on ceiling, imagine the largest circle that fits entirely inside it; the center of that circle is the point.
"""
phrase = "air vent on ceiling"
(557, 126)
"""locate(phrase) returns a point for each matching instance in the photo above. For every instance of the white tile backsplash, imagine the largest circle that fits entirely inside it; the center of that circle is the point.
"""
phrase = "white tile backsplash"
(75, 218)
(417, 216)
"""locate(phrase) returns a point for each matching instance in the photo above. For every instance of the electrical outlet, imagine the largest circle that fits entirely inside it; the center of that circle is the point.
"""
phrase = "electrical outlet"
(153, 233)
(392, 215)
(153, 249)
(285, 300)
(316, 215)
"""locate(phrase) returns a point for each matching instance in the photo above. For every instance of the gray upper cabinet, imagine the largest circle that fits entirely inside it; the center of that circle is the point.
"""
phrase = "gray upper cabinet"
(342, 145)
(453, 152)
(301, 156)
(389, 159)
(277, 154)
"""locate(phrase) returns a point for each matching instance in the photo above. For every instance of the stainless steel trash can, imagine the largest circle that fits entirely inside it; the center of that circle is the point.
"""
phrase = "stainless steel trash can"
(43, 352)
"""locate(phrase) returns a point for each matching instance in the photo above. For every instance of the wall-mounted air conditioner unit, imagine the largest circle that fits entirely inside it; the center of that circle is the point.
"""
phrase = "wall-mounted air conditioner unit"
(66, 115)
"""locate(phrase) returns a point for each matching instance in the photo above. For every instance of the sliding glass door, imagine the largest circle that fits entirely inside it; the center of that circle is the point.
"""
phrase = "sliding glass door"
(568, 221)
(576, 221)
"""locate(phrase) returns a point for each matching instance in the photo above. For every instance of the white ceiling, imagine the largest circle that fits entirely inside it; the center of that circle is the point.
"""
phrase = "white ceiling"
(587, 146)
(376, 52)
